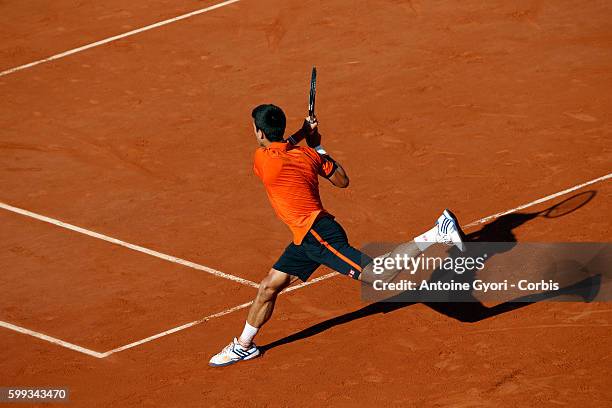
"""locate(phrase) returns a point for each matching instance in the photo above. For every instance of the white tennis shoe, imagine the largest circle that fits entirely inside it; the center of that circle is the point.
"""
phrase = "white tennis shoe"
(449, 231)
(233, 353)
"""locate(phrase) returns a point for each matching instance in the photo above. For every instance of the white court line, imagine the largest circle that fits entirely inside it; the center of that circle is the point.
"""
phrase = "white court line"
(176, 329)
(541, 200)
(150, 338)
(292, 288)
(52, 340)
(332, 274)
(301, 285)
(118, 37)
(138, 248)
(212, 316)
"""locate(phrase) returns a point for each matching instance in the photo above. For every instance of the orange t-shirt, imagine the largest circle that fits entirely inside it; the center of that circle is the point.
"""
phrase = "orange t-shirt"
(290, 175)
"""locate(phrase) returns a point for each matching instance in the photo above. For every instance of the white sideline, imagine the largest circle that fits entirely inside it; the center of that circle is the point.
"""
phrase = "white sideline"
(134, 247)
(176, 329)
(118, 37)
(539, 201)
(292, 288)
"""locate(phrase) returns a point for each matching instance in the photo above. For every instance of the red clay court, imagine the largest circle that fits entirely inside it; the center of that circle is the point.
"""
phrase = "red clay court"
(133, 232)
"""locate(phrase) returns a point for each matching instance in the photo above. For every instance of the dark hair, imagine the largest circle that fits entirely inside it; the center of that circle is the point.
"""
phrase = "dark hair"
(271, 120)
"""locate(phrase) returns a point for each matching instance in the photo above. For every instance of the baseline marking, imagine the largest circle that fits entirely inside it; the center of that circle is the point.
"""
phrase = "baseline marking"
(134, 247)
(245, 305)
(52, 340)
(118, 37)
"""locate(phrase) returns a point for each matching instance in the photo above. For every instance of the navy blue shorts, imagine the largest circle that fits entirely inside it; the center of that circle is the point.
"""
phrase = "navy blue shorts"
(325, 244)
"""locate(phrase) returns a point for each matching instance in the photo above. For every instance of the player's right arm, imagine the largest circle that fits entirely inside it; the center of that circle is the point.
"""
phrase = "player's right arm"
(339, 177)
(330, 168)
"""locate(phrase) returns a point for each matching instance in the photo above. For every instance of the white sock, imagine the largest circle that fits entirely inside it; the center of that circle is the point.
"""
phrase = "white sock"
(427, 239)
(248, 333)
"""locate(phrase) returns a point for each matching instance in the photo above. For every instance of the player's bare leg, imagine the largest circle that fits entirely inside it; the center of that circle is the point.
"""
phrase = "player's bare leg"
(447, 230)
(263, 305)
(243, 348)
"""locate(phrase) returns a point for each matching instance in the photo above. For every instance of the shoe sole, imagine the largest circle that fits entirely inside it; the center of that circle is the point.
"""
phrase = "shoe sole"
(251, 357)
(450, 214)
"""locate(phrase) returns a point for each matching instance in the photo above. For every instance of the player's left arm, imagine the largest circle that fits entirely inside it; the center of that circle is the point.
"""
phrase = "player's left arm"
(300, 134)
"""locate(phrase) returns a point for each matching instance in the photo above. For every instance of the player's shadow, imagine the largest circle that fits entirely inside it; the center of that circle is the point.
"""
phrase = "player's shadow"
(468, 309)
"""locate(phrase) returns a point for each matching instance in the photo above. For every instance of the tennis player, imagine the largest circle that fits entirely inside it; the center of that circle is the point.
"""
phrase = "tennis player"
(290, 176)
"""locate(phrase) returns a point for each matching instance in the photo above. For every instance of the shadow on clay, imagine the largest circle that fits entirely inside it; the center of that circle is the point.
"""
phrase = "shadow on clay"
(471, 310)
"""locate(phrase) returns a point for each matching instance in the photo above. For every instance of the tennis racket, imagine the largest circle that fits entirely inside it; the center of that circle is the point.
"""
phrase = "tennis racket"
(313, 94)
